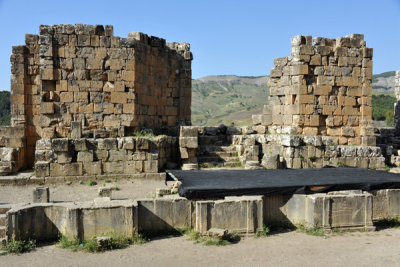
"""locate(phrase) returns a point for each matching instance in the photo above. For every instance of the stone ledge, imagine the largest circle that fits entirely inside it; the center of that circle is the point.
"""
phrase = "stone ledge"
(14, 180)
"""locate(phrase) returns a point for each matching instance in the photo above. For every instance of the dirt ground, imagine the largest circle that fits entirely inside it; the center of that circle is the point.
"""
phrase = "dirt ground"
(127, 189)
(287, 249)
(381, 248)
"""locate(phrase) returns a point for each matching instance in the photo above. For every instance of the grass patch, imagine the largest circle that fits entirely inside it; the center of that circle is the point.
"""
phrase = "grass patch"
(143, 133)
(314, 231)
(209, 241)
(19, 246)
(107, 180)
(91, 245)
(264, 233)
(312, 158)
(92, 183)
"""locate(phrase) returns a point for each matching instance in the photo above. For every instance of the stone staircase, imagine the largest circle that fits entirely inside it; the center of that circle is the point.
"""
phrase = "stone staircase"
(3, 210)
(218, 155)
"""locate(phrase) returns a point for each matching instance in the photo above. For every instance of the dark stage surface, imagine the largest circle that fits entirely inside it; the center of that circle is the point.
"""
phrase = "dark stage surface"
(221, 183)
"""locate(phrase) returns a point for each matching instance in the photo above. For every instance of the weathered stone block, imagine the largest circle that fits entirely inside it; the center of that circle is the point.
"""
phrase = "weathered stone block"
(41, 195)
(246, 214)
(85, 156)
(92, 168)
(59, 144)
(42, 169)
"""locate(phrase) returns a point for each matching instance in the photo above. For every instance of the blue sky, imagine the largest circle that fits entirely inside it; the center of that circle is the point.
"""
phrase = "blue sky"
(226, 37)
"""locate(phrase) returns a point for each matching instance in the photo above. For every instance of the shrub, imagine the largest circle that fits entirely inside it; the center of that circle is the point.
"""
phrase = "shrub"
(92, 182)
(20, 246)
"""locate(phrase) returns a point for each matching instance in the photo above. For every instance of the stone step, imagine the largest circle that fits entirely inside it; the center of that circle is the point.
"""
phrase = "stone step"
(218, 154)
(3, 219)
(214, 148)
(219, 164)
(2, 231)
(202, 159)
(4, 208)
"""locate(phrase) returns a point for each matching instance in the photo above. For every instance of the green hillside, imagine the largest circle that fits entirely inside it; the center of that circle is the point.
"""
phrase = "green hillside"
(5, 108)
(231, 99)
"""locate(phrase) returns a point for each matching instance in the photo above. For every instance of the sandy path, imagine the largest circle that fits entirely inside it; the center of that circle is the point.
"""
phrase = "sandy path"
(131, 189)
(288, 249)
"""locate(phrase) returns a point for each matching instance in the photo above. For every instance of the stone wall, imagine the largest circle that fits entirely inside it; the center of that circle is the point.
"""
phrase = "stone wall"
(243, 215)
(244, 146)
(60, 157)
(323, 88)
(84, 73)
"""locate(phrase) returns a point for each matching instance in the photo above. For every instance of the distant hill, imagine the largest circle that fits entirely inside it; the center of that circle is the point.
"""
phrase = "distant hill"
(231, 99)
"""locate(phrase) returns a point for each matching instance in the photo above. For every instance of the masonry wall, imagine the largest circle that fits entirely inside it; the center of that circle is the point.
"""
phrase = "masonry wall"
(86, 74)
(63, 157)
(323, 88)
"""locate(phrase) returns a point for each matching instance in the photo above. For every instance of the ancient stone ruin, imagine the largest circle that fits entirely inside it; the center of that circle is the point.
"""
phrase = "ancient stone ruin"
(88, 105)
(82, 81)
(323, 88)
(318, 114)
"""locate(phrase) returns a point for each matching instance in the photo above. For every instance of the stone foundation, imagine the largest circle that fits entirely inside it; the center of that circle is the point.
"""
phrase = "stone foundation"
(62, 157)
(237, 146)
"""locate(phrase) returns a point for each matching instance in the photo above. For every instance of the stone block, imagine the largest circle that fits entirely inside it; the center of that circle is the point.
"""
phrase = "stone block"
(14, 142)
(270, 161)
(47, 108)
(59, 144)
(188, 142)
(113, 167)
(92, 168)
(333, 210)
(41, 195)
(150, 166)
(165, 215)
(85, 156)
(188, 131)
(299, 70)
(76, 129)
(63, 157)
(290, 140)
(109, 144)
(42, 169)
(246, 215)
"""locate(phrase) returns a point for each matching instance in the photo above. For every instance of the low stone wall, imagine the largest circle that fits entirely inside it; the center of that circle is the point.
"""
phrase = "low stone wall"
(243, 215)
(244, 146)
(61, 157)
(46, 221)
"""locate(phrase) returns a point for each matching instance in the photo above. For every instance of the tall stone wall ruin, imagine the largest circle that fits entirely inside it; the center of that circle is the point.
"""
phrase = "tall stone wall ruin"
(323, 88)
(110, 85)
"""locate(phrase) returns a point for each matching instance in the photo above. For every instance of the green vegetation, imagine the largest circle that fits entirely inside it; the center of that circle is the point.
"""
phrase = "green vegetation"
(312, 158)
(92, 246)
(315, 231)
(143, 133)
(209, 241)
(92, 183)
(264, 233)
(382, 108)
(5, 116)
(20, 246)
(227, 99)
